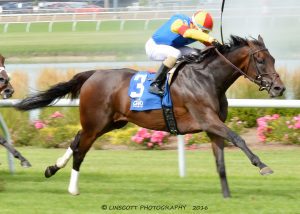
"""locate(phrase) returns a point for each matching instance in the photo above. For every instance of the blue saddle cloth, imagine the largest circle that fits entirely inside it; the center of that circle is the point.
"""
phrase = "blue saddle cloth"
(141, 98)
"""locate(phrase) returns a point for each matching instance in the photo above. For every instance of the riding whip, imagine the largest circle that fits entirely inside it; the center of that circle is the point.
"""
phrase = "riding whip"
(222, 8)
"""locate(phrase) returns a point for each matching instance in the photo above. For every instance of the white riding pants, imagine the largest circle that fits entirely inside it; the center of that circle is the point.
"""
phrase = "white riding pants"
(158, 52)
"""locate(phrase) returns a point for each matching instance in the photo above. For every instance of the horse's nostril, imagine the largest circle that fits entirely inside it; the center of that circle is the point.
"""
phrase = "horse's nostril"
(8, 91)
(278, 88)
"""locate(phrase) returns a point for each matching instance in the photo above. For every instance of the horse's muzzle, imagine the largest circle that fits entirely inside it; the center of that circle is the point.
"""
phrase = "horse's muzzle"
(7, 93)
(277, 90)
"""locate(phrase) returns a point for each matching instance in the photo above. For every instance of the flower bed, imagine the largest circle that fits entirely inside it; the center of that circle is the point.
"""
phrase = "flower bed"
(279, 129)
(150, 138)
(56, 129)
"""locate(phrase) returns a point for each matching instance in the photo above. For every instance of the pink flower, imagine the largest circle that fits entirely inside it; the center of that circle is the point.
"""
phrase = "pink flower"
(262, 121)
(137, 139)
(57, 114)
(38, 124)
(144, 133)
(157, 136)
(297, 118)
(149, 138)
(262, 138)
(268, 117)
(150, 144)
(297, 125)
(155, 139)
(275, 116)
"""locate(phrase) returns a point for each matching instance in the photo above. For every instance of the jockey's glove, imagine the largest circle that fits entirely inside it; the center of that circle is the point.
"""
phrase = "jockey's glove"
(216, 43)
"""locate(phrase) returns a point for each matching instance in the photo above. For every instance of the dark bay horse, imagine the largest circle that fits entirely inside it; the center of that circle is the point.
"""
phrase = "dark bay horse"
(6, 91)
(198, 93)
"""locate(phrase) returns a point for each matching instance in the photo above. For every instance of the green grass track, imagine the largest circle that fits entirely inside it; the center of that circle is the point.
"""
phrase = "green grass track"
(139, 178)
(67, 43)
(119, 39)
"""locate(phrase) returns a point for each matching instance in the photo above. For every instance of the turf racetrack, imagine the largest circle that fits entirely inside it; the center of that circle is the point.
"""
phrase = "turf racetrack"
(150, 178)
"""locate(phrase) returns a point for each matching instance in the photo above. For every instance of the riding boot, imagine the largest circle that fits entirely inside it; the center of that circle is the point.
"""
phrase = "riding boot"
(156, 87)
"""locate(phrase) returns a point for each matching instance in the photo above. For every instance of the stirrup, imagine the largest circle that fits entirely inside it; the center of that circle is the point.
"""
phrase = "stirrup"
(154, 89)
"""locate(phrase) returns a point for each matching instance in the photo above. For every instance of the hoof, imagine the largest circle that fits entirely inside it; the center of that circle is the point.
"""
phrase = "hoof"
(266, 171)
(48, 173)
(25, 164)
(226, 196)
(74, 191)
(51, 170)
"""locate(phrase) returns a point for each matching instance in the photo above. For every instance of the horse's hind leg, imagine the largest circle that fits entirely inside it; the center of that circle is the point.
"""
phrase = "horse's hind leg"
(218, 150)
(24, 162)
(62, 161)
(86, 140)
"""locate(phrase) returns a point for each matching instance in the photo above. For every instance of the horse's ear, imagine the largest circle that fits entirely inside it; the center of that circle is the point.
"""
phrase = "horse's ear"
(260, 39)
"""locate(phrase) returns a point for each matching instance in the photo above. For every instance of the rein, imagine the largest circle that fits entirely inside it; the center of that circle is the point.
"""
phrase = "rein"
(259, 76)
(233, 66)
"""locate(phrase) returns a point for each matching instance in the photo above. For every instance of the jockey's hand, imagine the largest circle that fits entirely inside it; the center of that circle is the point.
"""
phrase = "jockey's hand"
(216, 43)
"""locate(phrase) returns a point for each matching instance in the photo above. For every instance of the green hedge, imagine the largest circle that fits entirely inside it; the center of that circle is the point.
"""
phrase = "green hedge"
(250, 115)
(59, 132)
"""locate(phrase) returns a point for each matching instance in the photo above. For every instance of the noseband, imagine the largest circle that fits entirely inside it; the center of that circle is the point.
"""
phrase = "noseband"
(3, 72)
(259, 78)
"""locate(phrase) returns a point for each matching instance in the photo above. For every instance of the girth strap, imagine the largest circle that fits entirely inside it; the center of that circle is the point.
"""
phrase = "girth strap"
(170, 120)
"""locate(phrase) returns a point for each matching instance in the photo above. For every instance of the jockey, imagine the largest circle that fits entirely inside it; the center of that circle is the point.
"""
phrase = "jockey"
(169, 42)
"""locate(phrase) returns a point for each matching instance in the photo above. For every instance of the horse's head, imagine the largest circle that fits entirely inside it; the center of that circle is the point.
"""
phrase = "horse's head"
(260, 68)
(6, 89)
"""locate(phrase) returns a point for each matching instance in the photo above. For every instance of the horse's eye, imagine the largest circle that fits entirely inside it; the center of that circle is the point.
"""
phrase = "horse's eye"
(260, 60)
(2, 79)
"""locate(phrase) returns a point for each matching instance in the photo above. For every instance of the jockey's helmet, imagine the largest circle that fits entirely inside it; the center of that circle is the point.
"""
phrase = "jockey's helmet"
(203, 20)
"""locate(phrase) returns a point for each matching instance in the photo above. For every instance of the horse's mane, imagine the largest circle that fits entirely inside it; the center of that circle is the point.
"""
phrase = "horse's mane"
(234, 43)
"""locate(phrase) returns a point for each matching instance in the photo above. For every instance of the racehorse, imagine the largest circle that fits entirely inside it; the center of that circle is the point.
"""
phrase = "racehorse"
(6, 91)
(198, 94)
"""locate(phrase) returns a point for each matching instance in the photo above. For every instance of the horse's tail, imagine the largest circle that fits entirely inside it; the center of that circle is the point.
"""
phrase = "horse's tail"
(58, 91)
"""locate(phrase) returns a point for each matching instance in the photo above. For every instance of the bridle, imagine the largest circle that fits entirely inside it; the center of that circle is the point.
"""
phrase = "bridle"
(259, 78)
(4, 73)
(6, 88)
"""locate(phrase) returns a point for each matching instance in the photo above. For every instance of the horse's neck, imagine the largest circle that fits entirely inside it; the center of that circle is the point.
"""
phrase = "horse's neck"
(224, 74)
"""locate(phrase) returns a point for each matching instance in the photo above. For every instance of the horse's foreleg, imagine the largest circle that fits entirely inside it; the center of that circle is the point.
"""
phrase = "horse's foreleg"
(62, 161)
(79, 153)
(220, 129)
(218, 150)
(24, 162)
(239, 142)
